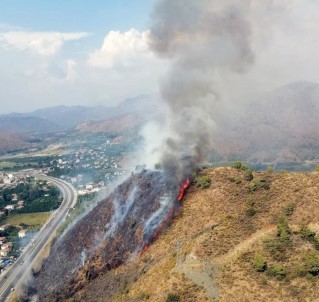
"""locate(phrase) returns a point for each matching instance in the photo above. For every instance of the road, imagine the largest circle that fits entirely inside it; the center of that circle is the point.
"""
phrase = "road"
(13, 274)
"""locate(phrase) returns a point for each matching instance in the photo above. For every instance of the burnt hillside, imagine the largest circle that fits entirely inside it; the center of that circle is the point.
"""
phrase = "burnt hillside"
(119, 228)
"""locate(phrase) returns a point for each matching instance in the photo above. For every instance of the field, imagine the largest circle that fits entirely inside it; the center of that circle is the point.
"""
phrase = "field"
(5, 164)
(32, 219)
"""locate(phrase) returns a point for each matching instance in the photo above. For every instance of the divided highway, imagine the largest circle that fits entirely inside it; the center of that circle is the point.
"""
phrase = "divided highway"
(15, 273)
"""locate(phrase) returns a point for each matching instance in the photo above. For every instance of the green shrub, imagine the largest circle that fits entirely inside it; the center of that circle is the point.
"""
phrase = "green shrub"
(252, 186)
(283, 230)
(270, 169)
(263, 183)
(310, 265)
(142, 296)
(236, 180)
(310, 236)
(250, 201)
(316, 243)
(248, 175)
(239, 165)
(172, 298)
(250, 212)
(276, 248)
(236, 165)
(307, 234)
(203, 181)
(289, 209)
(277, 271)
(317, 168)
(259, 263)
(257, 184)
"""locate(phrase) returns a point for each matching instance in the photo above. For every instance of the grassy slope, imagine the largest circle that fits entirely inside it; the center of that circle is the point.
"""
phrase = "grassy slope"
(198, 261)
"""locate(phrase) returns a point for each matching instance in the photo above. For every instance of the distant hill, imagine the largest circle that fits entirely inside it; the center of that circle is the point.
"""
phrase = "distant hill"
(26, 124)
(11, 141)
(280, 126)
(123, 123)
(67, 117)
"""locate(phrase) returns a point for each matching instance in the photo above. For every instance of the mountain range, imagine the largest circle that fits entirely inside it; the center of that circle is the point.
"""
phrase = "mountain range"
(279, 126)
(67, 117)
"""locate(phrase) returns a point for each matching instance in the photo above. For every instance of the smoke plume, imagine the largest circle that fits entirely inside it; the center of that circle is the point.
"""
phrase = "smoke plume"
(204, 40)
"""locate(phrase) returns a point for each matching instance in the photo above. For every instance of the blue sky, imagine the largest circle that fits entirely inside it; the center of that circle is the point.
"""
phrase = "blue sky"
(96, 16)
(64, 52)
(95, 52)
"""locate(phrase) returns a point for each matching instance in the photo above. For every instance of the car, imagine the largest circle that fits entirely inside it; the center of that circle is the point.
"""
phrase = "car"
(12, 289)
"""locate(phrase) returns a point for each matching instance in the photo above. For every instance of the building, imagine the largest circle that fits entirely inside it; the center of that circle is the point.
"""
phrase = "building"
(14, 197)
(9, 207)
(7, 181)
(3, 240)
(4, 227)
(22, 233)
(21, 203)
(89, 187)
(5, 249)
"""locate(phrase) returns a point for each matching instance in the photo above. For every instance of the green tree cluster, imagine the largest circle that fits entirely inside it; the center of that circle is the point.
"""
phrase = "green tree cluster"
(202, 181)
(259, 263)
(239, 166)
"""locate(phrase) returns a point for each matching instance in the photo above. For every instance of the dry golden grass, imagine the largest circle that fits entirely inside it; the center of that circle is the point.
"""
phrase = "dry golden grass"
(223, 247)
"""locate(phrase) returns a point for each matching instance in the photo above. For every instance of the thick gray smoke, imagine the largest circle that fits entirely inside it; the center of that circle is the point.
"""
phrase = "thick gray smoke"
(205, 40)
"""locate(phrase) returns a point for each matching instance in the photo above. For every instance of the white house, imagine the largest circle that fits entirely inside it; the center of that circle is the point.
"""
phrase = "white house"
(22, 233)
(4, 227)
(9, 207)
(3, 240)
(5, 249)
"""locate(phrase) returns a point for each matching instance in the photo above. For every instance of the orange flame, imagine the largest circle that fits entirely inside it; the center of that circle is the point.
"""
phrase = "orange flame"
(182, 189)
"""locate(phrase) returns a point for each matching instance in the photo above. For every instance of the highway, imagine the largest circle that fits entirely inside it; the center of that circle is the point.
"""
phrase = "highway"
(14, 274)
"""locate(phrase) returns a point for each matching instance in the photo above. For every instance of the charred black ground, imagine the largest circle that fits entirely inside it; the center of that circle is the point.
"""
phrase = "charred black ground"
(120, 227)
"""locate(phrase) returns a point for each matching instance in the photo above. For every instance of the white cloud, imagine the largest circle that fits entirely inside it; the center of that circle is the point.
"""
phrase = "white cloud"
(123, 67)
(284, 39)
(125, 49)
(43, 43)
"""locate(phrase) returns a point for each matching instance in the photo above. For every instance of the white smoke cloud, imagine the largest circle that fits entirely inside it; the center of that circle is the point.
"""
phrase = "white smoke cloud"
(223, 53)
(120, 212)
